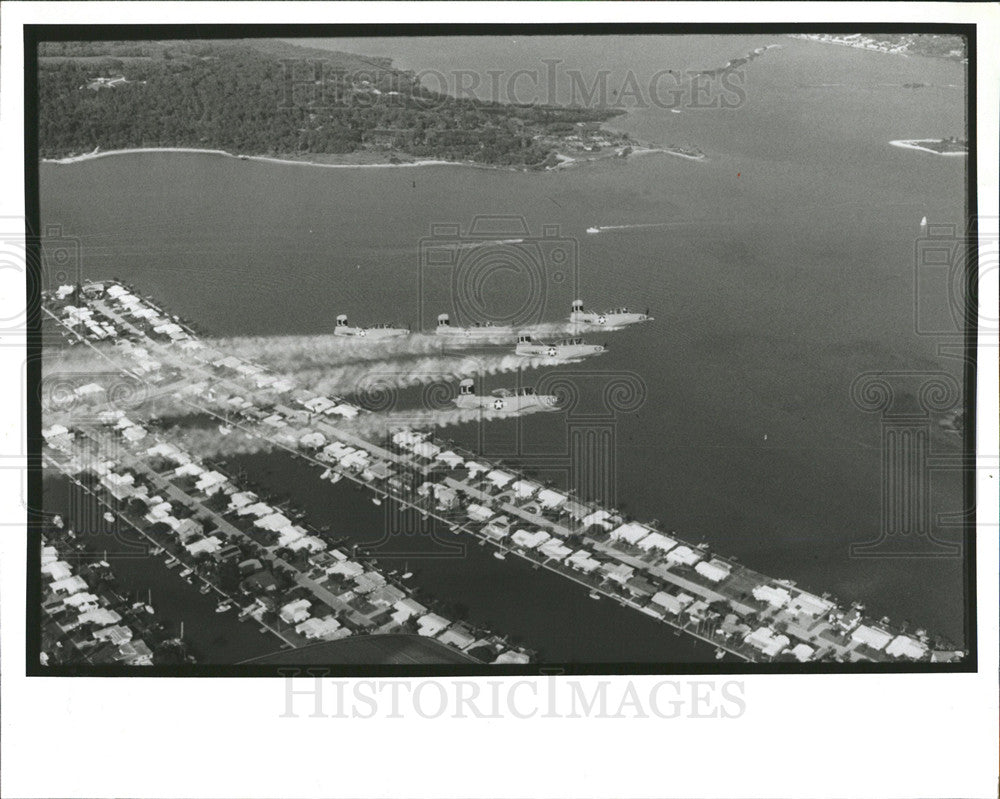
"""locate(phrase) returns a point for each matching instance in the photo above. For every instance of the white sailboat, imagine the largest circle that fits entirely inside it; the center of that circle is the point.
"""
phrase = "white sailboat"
(923, 223)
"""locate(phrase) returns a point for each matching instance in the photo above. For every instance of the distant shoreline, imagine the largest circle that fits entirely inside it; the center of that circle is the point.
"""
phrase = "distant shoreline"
(917, 144)
(564, 160)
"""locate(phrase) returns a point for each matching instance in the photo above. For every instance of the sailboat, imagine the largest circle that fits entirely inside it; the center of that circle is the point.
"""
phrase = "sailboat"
(923, 223)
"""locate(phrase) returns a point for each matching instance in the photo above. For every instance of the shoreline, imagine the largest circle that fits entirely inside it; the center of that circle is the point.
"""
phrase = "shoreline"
(916, 144)
(565, 161)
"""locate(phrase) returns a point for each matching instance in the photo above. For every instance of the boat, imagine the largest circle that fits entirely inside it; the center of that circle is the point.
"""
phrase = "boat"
(225, 429)
(171, 562)
(109, 516)
(500, 555)
(923, 222)
(594, 595)
(336, 477)
(593, 230)
(205, 589)
(376, 501)
(149, 609)
(187, 572)
(223, 606)
(719, 654)
(157, 551)
(406, 576)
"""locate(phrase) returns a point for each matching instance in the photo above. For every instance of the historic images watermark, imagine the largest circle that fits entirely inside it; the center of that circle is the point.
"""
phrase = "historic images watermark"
(916, 408)
(317, 84)
(310, 693)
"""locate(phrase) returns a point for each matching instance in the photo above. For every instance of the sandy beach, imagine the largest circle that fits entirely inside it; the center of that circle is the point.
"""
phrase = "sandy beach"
(917, 144)
(105, 153)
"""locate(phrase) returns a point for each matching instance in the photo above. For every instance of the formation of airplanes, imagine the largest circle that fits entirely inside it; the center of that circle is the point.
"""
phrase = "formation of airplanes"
(505, 400)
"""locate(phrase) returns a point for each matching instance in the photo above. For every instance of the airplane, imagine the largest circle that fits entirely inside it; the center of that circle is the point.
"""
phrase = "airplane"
(619, 317)
(513, 401)
(567, 348)
(476, 330)
(376, 331)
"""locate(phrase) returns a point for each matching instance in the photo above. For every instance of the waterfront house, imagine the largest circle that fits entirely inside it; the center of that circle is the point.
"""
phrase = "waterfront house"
(684, 555)
(458, 636)
(582, 561)
(772, 595)
(530, 540)
(449, 458)
(409, 608)
(640, 587)
(631, 533)
(905, 647)
(249, 566)
(499, 528)
(810, 605)
(599, 518)
(620, 573)
(312, 440)
(426, 450)
(672, 603)
(209, 545)
(319, 628)
(188, 528)
(57, 569)
(550, 499)
(499, 478)
(69, 585)
(478, 513)
(713, 570)
(431, 624)
(872, 637)
(523, 489)
(554, 550)
(767, 641)
(260, 583)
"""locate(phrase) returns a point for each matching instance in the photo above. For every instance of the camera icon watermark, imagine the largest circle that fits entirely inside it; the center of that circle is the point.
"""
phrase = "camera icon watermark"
(495, 273)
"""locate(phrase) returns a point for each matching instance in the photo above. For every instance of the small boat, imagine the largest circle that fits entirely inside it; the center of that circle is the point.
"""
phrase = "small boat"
(336, 477)
(500, 555)
(923, 222)
(205, 589)
(223, 606)
(326, 474)
(187, 573)
(109, 516)
(593, 229)
(719, 654)
(149, 610)
(376, 501)
(594, 595)
(157, 551)
(406, 576)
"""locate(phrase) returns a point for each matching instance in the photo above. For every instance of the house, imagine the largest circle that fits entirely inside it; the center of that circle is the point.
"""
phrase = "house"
(318, 628)
(478, 513)
(209, 545)
(498, 528)
(69, 585)
(554, 550)
(773, 596)
(530, 540)
(458, 636)
(903, 646)
(872, 637)
(551, 499)
(210, 482)
(116, 634)
(657, 541)
(475, 468)
(57, 570)
(426, 450)
(581, 560)
(273, 522)
(598, 518)
(810, 605)
(295, 612)
(312, 440)
(620, 573)
(672, 603)
(101, 616)
(261, 583)
(510, 656)
(684, 555)
(409, 608)
(249, 566)
(802, 652)
(576, 510)
(449, 458)
(523, 489)
(640, 587)
(767, 641)
(631, 533)
(347, 569)
(714, 570)
(499, 478)
(188, 528)
(310, 543)
(431, 624)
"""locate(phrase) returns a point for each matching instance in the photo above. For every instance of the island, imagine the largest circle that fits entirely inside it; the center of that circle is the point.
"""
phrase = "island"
(949, 146)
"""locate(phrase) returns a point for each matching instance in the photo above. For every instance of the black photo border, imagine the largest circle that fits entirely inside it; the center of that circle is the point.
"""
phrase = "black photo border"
(34, 34)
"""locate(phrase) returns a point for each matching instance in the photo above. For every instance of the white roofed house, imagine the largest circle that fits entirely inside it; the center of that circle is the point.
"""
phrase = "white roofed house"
(313, 439)
(872, 637)
(474, 468)
(656, 541)
(499, 478)
(523, 489)
(631, 533)
(772, 595)
(295, 612)
(209, 545)
(550, 499)
(684, 555)
(554, 550)
(714, 570)
(450, 459)
(810, 605)
(426, 450)
(902, 646)
(672, 603)
(530, 540)
(499, 528)
(431, 624)
(599, 518)
(767, 641)
(620, 573)
(319, 628)
(479, 513)
(581, 560)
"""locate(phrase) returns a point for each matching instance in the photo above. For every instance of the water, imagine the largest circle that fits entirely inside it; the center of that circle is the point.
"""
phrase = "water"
(786, 270)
